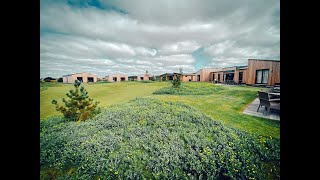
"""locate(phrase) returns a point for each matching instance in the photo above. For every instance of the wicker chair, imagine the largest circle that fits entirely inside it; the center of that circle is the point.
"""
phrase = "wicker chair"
(268, 103)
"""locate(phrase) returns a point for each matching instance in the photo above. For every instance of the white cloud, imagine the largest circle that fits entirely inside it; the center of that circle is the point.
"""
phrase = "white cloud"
(155, 35)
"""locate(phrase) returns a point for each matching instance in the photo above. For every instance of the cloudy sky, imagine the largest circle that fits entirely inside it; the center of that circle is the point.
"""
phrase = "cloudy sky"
(131, 36)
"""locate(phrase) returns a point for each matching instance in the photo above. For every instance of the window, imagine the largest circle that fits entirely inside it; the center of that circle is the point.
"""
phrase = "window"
(79, 79)
(240, 77)
(90, 79)
(262, 76)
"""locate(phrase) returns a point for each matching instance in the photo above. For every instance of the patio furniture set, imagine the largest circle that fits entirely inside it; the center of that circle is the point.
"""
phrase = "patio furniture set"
(270, 99)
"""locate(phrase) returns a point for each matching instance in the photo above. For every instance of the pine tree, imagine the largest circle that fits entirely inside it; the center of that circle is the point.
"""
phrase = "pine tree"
(79, 107)
(177, 82)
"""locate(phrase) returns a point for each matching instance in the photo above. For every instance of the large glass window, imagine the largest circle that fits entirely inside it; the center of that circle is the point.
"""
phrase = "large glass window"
(262, 76)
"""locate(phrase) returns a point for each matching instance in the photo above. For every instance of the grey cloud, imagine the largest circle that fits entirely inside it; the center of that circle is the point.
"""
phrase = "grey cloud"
(158, 36)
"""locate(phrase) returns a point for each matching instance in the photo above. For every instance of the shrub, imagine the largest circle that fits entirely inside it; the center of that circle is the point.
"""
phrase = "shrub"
(79, 107)
(153, 139)
(48, 79)
(177, 82)
(191, 88)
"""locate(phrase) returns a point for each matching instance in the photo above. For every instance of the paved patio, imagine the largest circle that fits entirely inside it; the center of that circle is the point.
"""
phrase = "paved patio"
(252, 110)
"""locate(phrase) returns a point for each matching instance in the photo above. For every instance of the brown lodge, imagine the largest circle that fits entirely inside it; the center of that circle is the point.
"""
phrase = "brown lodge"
(257, 72)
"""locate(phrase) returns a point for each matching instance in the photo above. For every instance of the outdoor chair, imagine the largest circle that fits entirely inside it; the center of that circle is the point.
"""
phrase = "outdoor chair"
(268, 103)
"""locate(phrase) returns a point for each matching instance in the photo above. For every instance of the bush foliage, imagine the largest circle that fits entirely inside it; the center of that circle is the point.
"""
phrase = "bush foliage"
(191, 88)
(153, 139)
(79, 107)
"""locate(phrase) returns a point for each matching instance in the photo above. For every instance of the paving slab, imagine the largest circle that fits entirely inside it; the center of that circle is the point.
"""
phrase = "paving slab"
(252, 110)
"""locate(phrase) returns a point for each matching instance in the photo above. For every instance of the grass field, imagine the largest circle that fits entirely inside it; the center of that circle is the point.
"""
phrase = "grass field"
(148, 129)
(225, 105)
(148, 138)
(106, 93)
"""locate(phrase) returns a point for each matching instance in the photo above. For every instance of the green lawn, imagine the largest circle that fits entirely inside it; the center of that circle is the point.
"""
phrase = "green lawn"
(106, 93)
(225, 105)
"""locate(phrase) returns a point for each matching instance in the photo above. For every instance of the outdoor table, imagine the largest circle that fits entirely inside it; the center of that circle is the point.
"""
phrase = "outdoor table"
(275, 97)
(276, 94)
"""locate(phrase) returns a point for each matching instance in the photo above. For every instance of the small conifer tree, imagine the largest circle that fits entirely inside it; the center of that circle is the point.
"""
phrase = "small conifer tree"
(79, 107)
(177, 82)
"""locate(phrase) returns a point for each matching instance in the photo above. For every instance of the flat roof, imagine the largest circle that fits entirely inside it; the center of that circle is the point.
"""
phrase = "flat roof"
(169, 74)
(265, 60)
(78, 73)
(208, 68)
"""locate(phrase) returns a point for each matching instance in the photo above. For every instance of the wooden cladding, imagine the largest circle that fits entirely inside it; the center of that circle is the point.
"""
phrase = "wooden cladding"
(271, 65)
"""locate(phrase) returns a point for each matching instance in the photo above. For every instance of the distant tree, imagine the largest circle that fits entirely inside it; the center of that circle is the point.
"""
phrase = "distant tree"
(60, 80)
(48, 79)
(164, 78)
(79, 107)
(176, 83)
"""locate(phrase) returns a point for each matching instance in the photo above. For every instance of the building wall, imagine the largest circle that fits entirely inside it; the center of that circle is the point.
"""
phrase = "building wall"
(64, 79)
(167, 76)
(205, 74)
(224, 71)
(185, 78)
(71, 78)
(118, 76)
(216, 76)
(254, 64)
(145, 77)
(236, 75)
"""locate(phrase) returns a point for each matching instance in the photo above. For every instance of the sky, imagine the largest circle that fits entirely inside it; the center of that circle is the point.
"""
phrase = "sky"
(159, 36)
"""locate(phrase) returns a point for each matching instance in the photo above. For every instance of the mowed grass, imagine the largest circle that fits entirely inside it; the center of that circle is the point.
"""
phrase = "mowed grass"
(106, 93)
(225, 105)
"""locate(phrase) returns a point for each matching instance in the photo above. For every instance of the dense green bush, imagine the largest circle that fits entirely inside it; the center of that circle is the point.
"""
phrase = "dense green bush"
(60, 80)
(49, 79)
(152, 139)
(191, 88)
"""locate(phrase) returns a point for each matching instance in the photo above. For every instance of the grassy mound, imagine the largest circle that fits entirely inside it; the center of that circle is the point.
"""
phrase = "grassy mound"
(191, 88)
(152, 139)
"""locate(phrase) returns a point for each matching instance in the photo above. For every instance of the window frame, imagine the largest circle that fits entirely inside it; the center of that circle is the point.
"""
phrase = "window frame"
(262, 76)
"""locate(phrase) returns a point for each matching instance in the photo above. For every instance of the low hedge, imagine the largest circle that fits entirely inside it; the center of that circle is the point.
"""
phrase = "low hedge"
(191, 88)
